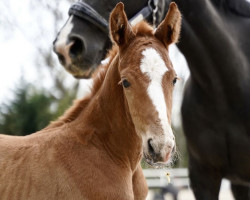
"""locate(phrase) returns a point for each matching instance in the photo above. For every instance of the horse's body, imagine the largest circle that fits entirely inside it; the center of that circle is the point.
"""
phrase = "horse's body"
(94, 150)
(55, 164)
(216, 106)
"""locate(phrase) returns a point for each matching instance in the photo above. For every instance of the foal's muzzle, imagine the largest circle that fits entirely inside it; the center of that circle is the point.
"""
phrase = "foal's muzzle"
(156, 155)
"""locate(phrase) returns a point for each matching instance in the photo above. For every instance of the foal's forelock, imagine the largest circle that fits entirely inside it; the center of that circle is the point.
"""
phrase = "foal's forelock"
(154, 67)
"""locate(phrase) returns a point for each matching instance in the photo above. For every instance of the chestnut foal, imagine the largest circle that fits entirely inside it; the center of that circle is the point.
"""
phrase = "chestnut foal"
(94, 150)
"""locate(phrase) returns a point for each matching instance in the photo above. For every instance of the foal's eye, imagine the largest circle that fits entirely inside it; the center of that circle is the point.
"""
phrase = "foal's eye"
(174, 81)
(125, 83)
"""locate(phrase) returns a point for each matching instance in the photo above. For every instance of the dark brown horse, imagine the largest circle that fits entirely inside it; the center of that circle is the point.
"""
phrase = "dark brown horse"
(216, 106)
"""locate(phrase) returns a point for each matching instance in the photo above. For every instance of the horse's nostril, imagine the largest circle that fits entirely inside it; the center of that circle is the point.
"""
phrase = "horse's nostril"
(76, 48)
(150, 147)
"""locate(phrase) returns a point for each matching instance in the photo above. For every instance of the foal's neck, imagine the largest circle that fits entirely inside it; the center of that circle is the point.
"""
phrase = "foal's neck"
(112, 123)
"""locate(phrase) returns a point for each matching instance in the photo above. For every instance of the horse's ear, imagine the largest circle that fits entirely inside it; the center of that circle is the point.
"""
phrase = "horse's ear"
(169, 29)
(120, 29)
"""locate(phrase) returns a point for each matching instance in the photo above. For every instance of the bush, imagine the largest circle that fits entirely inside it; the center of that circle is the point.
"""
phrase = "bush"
(31, 110)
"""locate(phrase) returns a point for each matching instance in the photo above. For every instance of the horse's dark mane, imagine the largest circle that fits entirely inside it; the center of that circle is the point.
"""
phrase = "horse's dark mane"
(141, 29)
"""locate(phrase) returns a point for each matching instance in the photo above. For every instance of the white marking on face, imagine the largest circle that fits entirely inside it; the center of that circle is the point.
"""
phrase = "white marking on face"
(153, 65)
(63, 35)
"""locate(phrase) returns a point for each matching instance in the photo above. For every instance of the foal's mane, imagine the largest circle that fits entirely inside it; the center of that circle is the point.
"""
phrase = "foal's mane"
(141, 29)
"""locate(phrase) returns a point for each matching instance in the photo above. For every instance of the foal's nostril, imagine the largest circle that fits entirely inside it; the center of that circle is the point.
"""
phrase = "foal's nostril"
(76, 48)
(150, 147)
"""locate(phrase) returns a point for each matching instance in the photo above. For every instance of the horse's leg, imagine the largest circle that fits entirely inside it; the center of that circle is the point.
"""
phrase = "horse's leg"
(205, 181)
(240, 192)
(140, 187)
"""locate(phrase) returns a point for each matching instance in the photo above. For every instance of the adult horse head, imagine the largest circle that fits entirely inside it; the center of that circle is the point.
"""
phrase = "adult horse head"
(94, 150)
(84, 40)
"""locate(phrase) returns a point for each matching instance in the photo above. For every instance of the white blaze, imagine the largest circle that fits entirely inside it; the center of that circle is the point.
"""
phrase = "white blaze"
(153, 65)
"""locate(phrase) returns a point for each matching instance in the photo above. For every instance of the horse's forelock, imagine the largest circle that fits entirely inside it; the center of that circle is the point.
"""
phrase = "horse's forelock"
(143, 28)
(140, 29)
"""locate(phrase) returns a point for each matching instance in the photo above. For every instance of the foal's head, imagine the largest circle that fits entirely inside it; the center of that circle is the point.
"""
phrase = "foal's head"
(148, 78)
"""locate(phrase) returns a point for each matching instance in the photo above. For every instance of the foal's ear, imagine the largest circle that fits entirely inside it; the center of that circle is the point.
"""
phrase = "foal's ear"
(169, 29)
(120, 29)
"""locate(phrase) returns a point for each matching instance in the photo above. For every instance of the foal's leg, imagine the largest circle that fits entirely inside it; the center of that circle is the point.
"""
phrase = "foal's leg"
(205, 182)
(240, 192)
(140, 187)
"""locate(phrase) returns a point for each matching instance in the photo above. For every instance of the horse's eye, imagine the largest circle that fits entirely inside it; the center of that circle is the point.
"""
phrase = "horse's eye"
(125, 83)
(174, 81)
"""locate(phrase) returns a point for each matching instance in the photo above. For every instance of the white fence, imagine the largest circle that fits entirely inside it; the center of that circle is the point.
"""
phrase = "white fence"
(179, 186)
(157, 178)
